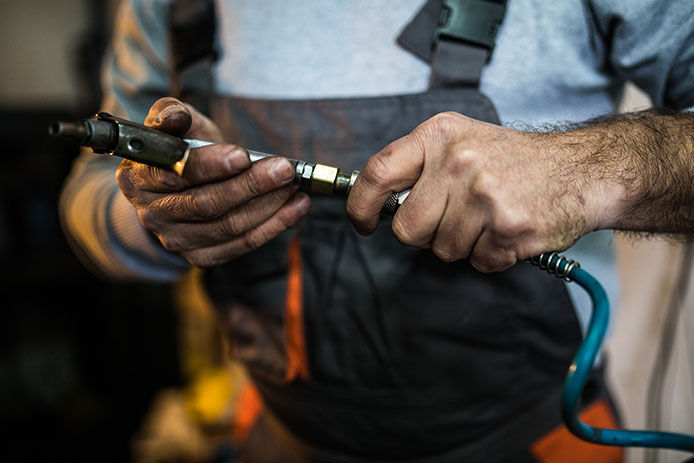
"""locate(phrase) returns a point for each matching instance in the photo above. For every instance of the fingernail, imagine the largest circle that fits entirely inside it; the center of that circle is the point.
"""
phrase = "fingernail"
(237, 160)
(169, 110)
(282, 171)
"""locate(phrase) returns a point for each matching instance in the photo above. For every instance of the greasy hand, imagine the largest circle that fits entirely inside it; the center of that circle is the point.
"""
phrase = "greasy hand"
(481, 191)
(222, 206)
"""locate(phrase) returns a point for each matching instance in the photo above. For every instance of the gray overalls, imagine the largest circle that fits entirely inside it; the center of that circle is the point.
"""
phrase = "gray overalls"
(403, 357)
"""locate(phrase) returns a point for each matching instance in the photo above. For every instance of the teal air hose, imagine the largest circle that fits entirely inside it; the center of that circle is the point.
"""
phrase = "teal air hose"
(583, 362)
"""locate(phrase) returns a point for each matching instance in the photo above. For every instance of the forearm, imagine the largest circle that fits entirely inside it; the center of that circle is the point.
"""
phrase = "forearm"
(640, 166)
(104, 230)
(102, 226)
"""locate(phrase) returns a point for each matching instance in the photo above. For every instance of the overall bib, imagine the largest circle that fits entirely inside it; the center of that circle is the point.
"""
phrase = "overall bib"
(364, 349)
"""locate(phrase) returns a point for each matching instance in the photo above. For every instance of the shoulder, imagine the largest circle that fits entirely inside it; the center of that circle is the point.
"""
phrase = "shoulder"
(645, 17)
(148, 17)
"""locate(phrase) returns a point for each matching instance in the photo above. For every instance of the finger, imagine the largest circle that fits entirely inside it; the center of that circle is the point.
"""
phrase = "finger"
(188, 236)
(208, 201)
(135, 178)
(457, 232)
(178, 118)
(170, 115)
(419, 216)
(205, 165)
(286, 217)
(393, 169)
(487, 256)
(214, 163)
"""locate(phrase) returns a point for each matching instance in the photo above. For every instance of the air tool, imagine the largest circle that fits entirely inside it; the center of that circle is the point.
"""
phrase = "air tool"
(112, 135)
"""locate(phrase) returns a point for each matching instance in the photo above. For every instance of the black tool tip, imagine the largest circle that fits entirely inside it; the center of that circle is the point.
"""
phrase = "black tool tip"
(73, 131)
(55, 129)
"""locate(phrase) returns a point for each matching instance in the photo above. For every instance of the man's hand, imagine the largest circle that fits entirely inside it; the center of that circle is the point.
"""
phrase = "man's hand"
(222, 206)
(482, 191)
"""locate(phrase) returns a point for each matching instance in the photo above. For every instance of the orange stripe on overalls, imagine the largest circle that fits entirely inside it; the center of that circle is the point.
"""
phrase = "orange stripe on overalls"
(297, 363)
(249, 409)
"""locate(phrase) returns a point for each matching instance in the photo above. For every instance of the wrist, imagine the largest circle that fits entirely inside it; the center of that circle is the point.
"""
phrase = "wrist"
(594, 185)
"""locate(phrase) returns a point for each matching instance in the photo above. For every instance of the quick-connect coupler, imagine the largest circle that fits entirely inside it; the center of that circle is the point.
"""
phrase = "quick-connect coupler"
(310, 177)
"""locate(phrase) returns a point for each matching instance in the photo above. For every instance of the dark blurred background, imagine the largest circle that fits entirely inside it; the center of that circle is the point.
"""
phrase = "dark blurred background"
(81, 357)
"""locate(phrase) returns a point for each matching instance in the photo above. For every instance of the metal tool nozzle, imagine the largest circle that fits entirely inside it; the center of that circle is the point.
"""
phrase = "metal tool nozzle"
(76, 132)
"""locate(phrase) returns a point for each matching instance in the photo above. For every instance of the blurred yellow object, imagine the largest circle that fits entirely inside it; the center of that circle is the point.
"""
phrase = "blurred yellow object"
(167, 433)
(201, 338)
(216, 406)
(208, 398)
(212, 380)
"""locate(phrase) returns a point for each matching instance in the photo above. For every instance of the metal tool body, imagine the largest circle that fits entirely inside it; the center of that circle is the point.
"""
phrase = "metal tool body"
(314, 178)
(130, 140)
(108, 134)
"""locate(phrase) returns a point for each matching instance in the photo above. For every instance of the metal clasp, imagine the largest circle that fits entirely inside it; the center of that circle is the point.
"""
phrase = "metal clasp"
(473, 21)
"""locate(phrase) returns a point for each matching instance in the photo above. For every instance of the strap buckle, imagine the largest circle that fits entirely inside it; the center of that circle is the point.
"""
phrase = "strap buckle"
(473, 21)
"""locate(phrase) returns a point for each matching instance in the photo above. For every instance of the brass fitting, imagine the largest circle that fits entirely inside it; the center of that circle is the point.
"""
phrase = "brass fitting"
(323, 179)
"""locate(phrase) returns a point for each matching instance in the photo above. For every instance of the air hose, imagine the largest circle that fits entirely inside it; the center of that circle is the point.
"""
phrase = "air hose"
(582, 364)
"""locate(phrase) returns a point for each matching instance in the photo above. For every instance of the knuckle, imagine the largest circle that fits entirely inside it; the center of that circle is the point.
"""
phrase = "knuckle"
(254, 183)
(287, 218)
(253, 240)
(442, 124)
(445, 253)
(203, 205)
(510, 224)
(357, 212)
(232, 225)
(495, 261)
(403, 233)
(167, 207)
(461, 159)
(482, 263)
(506, 262)
(376, 171)
(448, 118)
(167, 180)
(484, 186)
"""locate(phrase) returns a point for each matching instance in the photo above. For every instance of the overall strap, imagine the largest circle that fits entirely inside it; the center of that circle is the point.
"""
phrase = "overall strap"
(192, 46)
(456, 36)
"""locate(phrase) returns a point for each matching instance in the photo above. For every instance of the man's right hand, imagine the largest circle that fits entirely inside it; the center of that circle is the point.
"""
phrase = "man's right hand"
(223, 206)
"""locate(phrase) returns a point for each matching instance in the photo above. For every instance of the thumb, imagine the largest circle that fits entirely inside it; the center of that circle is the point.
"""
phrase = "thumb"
(395, 168)
(177, 118)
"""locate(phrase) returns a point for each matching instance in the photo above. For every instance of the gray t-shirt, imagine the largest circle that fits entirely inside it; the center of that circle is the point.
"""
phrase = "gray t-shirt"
(554, 62)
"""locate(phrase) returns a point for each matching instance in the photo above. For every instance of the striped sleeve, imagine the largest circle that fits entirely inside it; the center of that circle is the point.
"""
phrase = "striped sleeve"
(100, 224)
